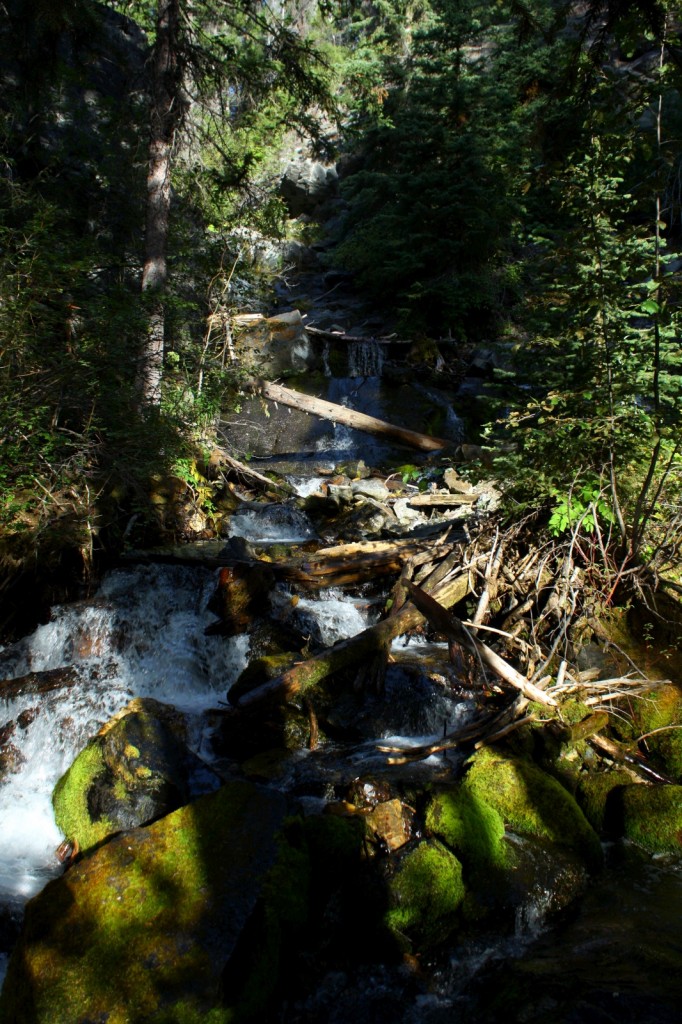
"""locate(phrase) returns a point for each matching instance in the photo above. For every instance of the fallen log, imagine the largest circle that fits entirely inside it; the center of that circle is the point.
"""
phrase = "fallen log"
(350, 338)
(263, 482)
(451, 627)
(440, 500)
(364, 646)
(349, 417)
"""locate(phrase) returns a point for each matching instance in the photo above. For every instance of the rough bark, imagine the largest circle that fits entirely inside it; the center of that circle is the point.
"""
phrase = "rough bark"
(165, 116)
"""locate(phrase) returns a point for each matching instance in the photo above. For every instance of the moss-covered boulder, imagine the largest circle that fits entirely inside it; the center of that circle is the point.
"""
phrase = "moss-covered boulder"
(425, 894)
(503, 870)
(593, 795)
(181, 921)
(501, 792)
(136, 770)
(530, 802)
(652, 816)
(657, 718)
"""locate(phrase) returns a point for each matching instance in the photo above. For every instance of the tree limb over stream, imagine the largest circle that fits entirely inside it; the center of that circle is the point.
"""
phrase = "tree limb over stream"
(350, 418)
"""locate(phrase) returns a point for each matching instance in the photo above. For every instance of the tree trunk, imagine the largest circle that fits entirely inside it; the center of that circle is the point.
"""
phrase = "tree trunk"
(165, 116)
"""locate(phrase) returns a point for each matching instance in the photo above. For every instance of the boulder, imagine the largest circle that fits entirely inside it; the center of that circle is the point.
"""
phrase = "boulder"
(181, 921)
(307, 185)
(503, 799)
(657, 716)
(425, 894)
(275, 346)
(136, 770)
(652, 817)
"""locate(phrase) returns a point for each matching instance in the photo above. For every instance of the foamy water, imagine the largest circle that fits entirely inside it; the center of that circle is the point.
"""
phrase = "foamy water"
(141, 636)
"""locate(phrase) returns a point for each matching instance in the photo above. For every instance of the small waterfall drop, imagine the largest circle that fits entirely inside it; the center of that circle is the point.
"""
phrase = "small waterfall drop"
(365, 359)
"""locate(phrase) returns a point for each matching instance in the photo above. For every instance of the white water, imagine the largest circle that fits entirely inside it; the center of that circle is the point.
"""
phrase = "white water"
(273, 524)
(142, 635)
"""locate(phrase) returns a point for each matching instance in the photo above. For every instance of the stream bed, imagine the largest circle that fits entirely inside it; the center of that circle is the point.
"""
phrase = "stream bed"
(614, 955)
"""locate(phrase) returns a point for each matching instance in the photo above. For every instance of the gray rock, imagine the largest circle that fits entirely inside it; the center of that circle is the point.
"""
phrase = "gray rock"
(371, 488)
(307, 185)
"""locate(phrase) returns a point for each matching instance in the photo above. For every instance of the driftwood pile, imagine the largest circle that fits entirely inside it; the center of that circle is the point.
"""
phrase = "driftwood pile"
(519, 645)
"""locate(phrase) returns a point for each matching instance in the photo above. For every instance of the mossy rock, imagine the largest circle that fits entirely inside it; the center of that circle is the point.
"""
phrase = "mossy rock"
(425, 894)
(592, 794)
(261, 670)
(470, 826)
(70, 798)
(182, 921)
(500, 869)
(659, 710)
(136, 770)
(530, 802)
(652, 817)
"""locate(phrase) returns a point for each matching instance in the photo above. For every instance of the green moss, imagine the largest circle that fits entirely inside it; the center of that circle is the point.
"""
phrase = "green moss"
(661, 709)
(593, 792)
(469, 825)
(149, 920)
(573, 711)
(69, 799)
(652, 817)
(531, 802)
(425, 894)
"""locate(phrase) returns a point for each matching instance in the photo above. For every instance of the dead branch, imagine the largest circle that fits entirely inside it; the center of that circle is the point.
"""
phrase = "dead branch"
(365, 645)
(451, 627)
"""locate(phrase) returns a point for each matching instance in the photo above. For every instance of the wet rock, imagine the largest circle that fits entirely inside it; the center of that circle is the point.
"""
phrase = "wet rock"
(391, 823)
(240, 594)
(178, 921)
(425, 894)
(137, 770)
(615, 960)
(11, 758)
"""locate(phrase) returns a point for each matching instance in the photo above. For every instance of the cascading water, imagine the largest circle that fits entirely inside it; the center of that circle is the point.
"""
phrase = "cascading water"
(365, 359)
(141, 635)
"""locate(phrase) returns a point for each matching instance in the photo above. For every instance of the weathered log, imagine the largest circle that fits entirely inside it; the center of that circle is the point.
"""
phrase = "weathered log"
(349, 417)
(451, 627)
(441, 500)
(354, 338)
(365, 645)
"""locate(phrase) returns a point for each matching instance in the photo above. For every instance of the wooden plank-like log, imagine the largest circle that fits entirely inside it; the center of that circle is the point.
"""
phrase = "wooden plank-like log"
(350, 418)
(441, 500)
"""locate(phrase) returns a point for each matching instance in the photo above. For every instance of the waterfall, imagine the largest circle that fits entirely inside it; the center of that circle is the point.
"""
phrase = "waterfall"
(141, 635)
(365, 359)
